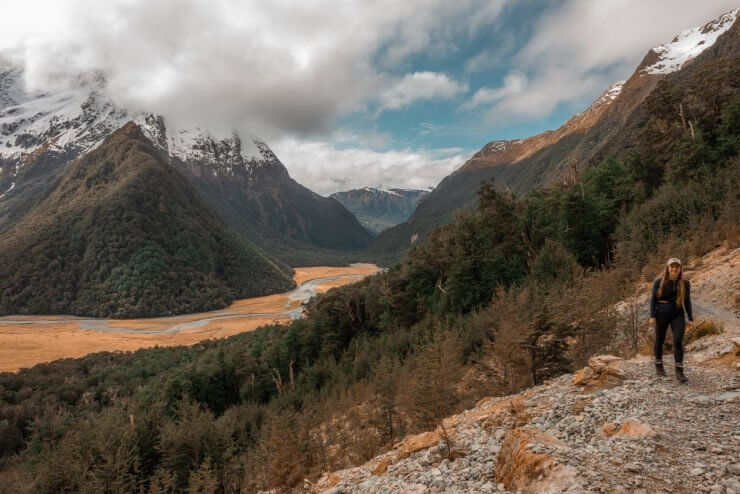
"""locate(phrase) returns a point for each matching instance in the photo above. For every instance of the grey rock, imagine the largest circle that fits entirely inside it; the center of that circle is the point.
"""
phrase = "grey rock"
(729, 396)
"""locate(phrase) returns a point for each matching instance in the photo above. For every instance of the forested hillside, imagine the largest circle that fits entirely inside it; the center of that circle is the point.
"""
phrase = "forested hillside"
(122, 234)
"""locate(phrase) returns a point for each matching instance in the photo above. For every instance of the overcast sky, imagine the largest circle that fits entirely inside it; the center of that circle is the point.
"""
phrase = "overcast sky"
(352, 93)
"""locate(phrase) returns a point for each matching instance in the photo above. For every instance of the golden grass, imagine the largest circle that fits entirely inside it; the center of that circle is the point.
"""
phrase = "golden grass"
(24, 345)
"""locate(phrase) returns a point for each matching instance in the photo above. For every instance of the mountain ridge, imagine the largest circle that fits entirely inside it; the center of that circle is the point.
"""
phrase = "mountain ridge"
(378, 208)
(122, 234)
(609, 127)
(239, 178)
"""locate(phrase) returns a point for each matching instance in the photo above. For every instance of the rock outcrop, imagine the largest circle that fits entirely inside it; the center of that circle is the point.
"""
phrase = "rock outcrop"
(603, 371)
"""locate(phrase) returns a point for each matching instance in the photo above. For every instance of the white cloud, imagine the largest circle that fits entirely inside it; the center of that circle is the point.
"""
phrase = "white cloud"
(278, 68)
(420, 85)
(326, 168)
(514, 83)
(580, 47)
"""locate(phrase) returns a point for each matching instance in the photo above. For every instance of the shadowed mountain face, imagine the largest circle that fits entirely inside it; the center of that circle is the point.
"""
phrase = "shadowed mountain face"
(615, 125)
(123, 234)
(379, 209)
(274, 211)
(238, 177)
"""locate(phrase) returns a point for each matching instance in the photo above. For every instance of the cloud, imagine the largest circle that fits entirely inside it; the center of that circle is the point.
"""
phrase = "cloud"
(277, 68)
(490, 58)
(580, 47)
(514, 83)
(326, 168)
(420, 85)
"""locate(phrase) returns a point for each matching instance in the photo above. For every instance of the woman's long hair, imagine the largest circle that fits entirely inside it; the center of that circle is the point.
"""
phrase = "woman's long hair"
(679, 281)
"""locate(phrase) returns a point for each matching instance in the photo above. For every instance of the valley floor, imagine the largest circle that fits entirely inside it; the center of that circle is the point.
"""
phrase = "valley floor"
(29, 340)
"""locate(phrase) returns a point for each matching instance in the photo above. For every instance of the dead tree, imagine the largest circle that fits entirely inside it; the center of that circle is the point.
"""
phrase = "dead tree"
(277, 379)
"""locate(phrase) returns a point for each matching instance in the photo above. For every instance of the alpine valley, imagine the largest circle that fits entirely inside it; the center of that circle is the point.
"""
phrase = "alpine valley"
(505, 349)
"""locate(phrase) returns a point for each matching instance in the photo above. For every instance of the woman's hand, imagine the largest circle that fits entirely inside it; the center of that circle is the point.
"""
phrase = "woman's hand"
(651, 322)
(690, 325)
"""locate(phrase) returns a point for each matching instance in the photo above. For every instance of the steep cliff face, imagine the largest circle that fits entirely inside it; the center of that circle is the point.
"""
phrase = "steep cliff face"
(611, 427)
(612, 126)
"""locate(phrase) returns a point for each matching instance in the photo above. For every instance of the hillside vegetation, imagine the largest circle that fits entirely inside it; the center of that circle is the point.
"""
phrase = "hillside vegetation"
(273, 211)
(497, 301)
(123, 235)
(514, 292)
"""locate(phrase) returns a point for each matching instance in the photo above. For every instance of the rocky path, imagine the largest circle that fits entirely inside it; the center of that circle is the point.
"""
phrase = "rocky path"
(613, 427)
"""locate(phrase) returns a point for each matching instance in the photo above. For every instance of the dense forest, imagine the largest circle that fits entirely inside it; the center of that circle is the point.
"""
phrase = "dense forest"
(123, 235)
(514, 292)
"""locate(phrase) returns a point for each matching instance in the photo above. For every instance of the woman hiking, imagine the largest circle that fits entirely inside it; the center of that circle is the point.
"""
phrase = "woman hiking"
(671, 294)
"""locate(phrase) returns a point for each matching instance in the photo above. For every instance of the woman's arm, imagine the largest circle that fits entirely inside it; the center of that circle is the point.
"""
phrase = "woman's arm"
(687, 301)
(654, 299)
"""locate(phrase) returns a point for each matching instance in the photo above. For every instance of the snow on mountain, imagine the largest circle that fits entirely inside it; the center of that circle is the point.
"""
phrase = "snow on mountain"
(503, 152)
(400, 192)
(613, 91)
(76, 118)
(689, 44)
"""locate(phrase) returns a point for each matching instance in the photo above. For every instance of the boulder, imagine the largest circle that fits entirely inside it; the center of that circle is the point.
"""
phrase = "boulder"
(492, 413)
(382, 466)
(631, 428)
(419, 442)
(702, 329)
(326, 482)
(603, 371)
(520, 468)
(736, 346)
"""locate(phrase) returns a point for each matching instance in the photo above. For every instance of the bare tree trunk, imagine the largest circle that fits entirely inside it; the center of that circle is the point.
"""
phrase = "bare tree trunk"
(277, 379)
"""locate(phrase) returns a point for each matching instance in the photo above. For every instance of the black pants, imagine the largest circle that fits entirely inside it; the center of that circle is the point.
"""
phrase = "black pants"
(678, 326)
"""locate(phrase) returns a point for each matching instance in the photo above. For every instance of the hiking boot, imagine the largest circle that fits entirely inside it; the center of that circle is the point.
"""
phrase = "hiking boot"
(681, 376)
(660, 370)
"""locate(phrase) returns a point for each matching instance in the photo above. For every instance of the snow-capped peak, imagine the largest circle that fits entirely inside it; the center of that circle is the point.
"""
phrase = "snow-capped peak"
(689, 44)
(74, 119)
(613, 90)
(496, 146)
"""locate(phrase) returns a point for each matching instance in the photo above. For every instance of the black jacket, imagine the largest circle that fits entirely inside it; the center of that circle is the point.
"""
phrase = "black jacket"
(670, 294)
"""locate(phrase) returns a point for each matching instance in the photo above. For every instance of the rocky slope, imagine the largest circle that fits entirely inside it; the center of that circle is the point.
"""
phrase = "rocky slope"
(609, 127)
(239, 177)
(378, 209)
(613, 427)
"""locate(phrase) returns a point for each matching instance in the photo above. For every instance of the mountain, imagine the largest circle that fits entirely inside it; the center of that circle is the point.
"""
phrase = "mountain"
(239, 177)
(378, 209)
(123, 234)
(612, 126)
